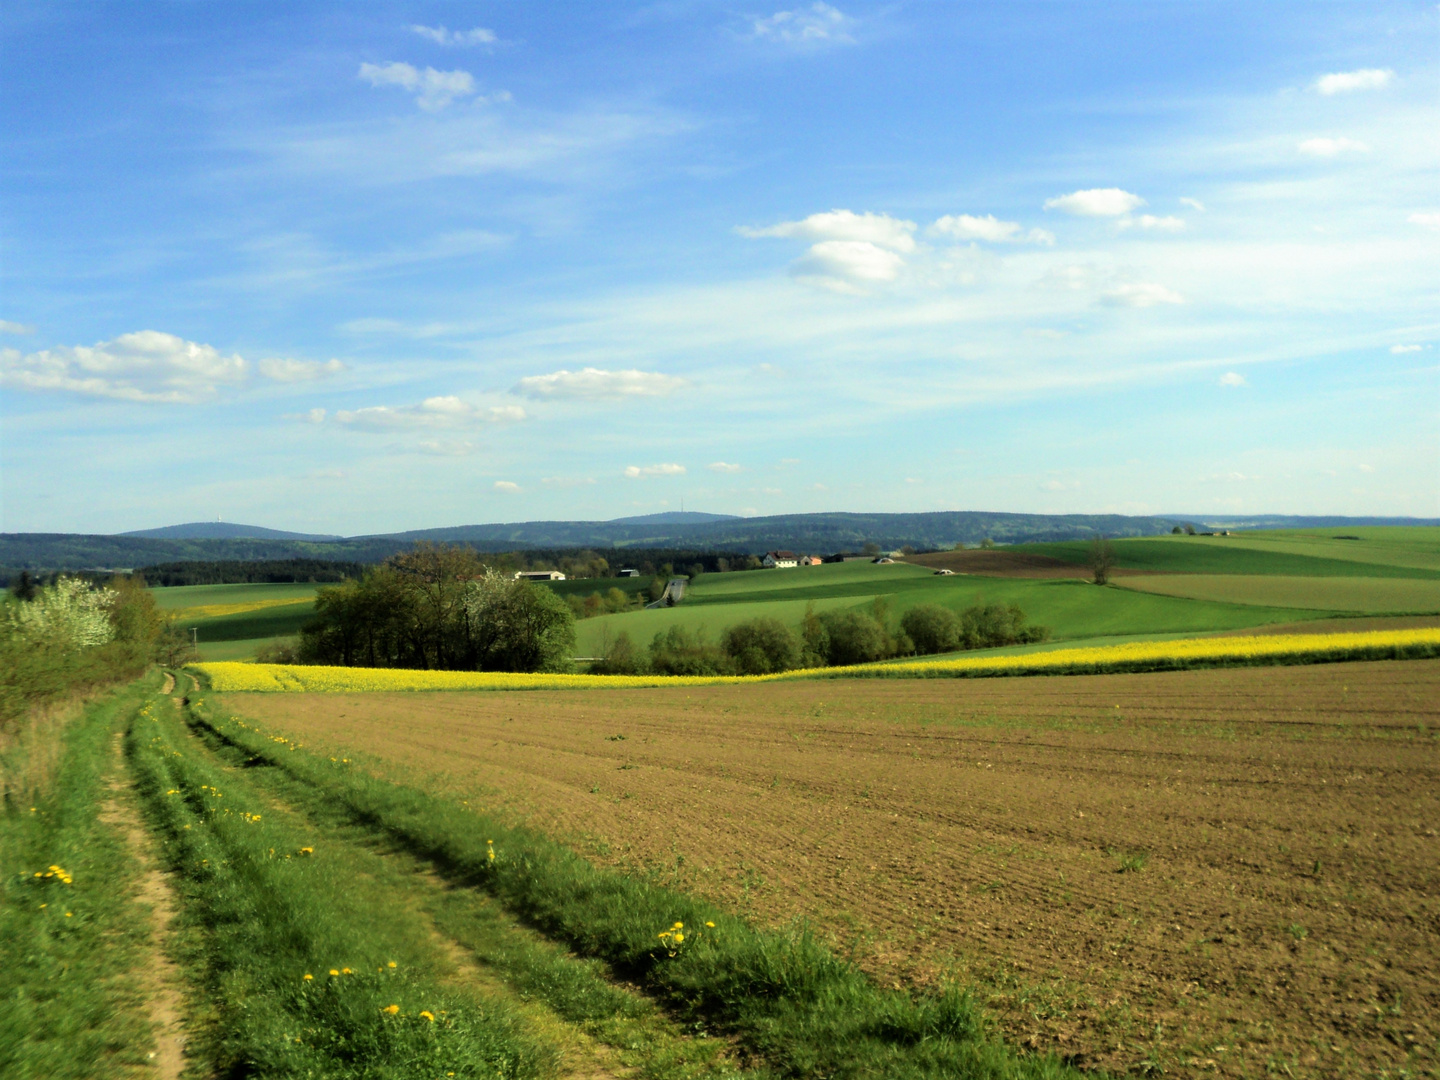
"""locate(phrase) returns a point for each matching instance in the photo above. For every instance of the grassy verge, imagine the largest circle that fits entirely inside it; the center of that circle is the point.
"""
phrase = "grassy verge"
(71, 936)
(784, 997)
(306, 974)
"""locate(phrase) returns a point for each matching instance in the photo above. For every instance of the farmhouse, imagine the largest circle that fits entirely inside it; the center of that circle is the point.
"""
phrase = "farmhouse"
(811, 560)
(780, 559)
(629, 573)
(539, 575)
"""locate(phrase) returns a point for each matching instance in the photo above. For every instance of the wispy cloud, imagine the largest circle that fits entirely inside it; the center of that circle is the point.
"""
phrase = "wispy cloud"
(435, 412)
(433, 89)
(441, 36)
(637, 472)
(286, 370)
(1400, 350)
(1194, 204)
(1232, 378)
(853, 250)
(147, 366)
(815, 26)
(988, 228)
(1343, 82)
(594, 384)
(1328, 147)
(507, 486)
(1150, 221)
(1096, 202)
(8, 327)
(1429, 221)
(723, 467)
(1140, 295)
(881, 230)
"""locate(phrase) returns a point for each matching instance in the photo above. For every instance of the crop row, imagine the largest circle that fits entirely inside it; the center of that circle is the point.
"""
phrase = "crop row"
(1133, 656)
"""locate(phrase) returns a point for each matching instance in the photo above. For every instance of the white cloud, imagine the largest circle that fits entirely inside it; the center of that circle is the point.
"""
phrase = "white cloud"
(990, 228)
(434, 412)
(635, 472)
(442, 36)
(1323, 147)
(1400, 350)
(1150, 221)
(1232, 378)
(507, 486)
(433, 89)
(283, 370)
(1429, 221)
(1366, 468)
(723, 466)
(144, 366)
(1194, 204)
(446, 447)
(1140, 295)
(1096, 202)
(810, 27)
(594, 384)
(8, 327)
(566, 481)
(879, 229)
(1343, 82)
(844, 264)
(315, 416)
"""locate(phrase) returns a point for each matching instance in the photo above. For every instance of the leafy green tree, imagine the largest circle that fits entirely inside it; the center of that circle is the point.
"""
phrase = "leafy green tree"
(678, 651)
(932, 628)
(761, 646)
(854, 637)
(621, 657)
(1102, 560)
(514, 626)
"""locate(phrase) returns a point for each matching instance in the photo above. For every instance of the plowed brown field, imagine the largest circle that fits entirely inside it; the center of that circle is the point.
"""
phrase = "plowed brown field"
(1281, 908)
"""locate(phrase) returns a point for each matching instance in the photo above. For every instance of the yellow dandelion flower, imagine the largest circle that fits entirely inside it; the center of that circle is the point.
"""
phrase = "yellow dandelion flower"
(391, 1009)
(711, 925)
(428, 1015)
(333, 971)
(307, 977)
(391, 964)
(347, 971)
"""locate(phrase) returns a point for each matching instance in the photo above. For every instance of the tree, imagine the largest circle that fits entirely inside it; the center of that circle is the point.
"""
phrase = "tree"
(437, 577)
(871, 548)
(761, 646)
(987, 544)
(620, 657)
(1177, 531)
(853, 637)
(515, 626)
(24, 588)
(1102, 559)
(991, 625)
(907, 550)
(932, 628)
(678, 651)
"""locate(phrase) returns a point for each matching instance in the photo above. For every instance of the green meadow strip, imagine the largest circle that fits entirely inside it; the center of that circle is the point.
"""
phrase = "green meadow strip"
(783, 996)
(307, 977)
(72, 937)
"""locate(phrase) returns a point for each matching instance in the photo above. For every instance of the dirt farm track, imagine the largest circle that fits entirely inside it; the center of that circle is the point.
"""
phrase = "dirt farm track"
(1228, 872)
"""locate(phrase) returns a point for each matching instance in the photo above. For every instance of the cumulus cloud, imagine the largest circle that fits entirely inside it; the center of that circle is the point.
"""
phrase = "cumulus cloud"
(846, 264)
(8, 327)
(723, 466)
(1150, 221)
(1323, 147)
(1096, 202)
(284, 370)
(1194, 204)
(433, 89)
(635, 472)
(1400, 350)
(594, 384)
(1429, 221)
(446, 447)
(851, 250)
(1139, 295)
(989, 228)
(434, 412)
(442, 36)
(144, 366)
(1232, 378)
(880, 230)
(1343, 82)
(807, 27)
(507, 486)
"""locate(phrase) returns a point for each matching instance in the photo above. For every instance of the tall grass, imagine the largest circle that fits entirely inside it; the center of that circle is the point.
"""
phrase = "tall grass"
(308, 977)
(72, 938)
(783, 996)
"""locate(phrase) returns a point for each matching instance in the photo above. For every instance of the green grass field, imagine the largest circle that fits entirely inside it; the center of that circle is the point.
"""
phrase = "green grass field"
(1204, 584)
(1370, 595)
(1412, 552)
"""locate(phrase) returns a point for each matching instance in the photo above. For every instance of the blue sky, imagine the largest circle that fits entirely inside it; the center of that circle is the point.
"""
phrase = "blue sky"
(365, 267)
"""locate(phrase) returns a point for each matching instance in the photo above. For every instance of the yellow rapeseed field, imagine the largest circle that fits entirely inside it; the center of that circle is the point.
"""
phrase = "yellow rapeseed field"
(215, 611)
(1135, 656)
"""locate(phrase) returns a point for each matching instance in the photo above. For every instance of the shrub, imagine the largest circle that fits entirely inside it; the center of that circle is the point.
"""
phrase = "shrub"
(621, 657)
(985, 627)
(854, 637)
(760, 646)
(678, 651)
(932, 628)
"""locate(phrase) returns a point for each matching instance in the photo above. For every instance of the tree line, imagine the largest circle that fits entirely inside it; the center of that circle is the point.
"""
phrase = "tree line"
(765, 645)
(437, 608)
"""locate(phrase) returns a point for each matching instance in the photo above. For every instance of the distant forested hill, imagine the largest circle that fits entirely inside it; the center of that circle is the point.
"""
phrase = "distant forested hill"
(809, 533)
